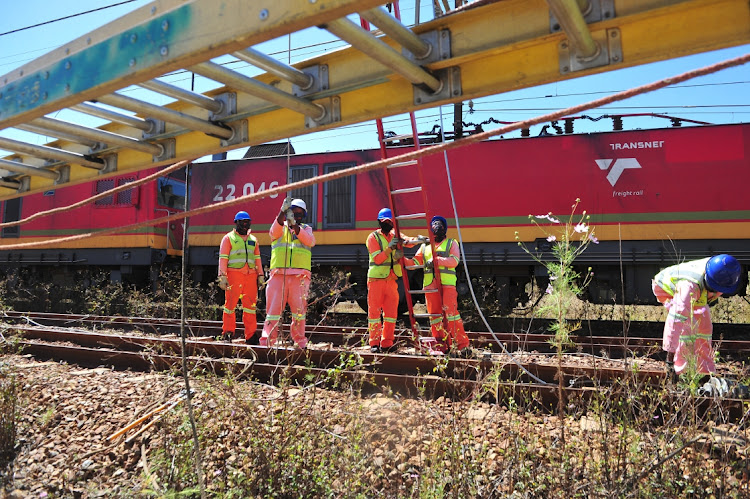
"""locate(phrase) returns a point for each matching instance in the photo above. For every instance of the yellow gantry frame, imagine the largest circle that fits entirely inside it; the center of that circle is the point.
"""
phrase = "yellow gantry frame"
(495, 47)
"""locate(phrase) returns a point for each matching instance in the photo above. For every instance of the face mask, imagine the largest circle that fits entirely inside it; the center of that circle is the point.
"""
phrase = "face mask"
(242, 226)
(439, 231)
(385, 226)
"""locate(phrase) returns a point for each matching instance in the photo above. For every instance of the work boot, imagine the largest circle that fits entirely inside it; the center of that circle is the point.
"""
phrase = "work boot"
(390, 349)
(253, 340)
(375, 349)
(226, 336)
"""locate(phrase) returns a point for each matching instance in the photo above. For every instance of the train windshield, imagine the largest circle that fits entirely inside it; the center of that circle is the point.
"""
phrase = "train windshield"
(171, 192)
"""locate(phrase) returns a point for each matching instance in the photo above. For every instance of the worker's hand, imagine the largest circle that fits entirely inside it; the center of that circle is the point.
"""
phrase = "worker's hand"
(398, 254)
(428, 266)
(423, 239)
(287, 204)
(394, 243)
(223, 282)
(261, 280)
(290, 217)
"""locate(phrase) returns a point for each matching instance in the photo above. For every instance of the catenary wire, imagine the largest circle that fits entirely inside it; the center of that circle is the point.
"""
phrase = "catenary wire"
(65, 17)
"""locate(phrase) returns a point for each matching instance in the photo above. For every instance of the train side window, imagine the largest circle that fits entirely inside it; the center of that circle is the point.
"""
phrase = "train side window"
(171, 192)
(338, 199)
(11, 213)
(307, 194)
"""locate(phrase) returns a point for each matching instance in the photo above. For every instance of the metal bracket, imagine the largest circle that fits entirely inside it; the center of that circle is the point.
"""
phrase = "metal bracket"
(64, 172)
(170, 149)
(110, 164)
(319, 72)
(610, 52)
(439, 40)
(450, 86)
(229, 101)
(333, 112)
(157, 128)
(597, 10)
(240, 133)
(25, 184)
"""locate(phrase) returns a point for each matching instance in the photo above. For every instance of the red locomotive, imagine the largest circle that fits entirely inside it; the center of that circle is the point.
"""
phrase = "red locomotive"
(655, 197)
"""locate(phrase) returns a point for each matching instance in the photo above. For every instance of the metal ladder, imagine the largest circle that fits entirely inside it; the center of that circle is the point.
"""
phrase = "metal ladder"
(421, 343)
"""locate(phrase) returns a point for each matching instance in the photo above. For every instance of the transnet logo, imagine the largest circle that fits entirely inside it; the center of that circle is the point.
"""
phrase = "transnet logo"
(618, 167)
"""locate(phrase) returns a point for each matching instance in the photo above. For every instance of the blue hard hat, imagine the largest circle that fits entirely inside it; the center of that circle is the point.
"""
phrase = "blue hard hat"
(440, 219)
(385, 213)
(723, 274)
(242, 215)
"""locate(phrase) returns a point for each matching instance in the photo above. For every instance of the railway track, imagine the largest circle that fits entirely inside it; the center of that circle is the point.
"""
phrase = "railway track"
(523, 338)
(337, 356)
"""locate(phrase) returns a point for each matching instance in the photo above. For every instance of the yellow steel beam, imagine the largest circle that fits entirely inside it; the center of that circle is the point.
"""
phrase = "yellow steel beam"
(497, 47)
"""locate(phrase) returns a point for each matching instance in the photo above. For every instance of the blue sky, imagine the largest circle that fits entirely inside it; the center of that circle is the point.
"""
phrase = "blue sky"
(718, 98)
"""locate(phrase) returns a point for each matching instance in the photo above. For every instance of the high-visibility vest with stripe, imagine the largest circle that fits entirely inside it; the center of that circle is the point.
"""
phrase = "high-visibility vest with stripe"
(693, 271)
(447, 275)
(242, 252)
(288, 252)
(382, 270)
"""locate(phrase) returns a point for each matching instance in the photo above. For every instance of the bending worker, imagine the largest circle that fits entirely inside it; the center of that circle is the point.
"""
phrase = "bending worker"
(686, 290)
(382, 285)
(447, 258)
(289, 282)
(239, 268)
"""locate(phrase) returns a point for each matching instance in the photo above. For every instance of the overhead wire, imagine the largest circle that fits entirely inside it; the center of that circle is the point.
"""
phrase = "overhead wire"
(45, 23)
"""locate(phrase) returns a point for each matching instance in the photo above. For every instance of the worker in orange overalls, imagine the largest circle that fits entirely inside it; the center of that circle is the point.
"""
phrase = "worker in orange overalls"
(291, 258)
(239, 268)
(382, 288)
(687, 290)
(446, 258)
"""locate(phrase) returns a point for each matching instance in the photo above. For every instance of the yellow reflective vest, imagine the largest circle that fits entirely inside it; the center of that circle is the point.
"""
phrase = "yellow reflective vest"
(242, 252)
(447, 275)
(382, 270)
(288, 252)
(693, 271)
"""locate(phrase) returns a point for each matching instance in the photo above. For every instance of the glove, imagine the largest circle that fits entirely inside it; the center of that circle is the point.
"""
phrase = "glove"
(223, 282)
(261, 280)
(394, 243)
(428, 266)
(290, 217)
(423, 239)
(287, 204)
(398, 254)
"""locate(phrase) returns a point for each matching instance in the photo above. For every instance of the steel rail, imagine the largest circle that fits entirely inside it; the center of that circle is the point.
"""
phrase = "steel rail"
(274, 67)
(100, 112)
(200, 100)
(165, 114)
(298, 368)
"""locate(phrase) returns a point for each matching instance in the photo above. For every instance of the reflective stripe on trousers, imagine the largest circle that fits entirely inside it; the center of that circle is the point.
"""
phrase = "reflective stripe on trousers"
(240, 286)
(382, 295)
(456, 332)
(280, 290)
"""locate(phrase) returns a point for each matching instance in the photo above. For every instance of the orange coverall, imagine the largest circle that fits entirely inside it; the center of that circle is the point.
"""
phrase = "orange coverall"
(456, 332)
(382, 294)
(287, 285)
(688, 328)
(242, 285)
